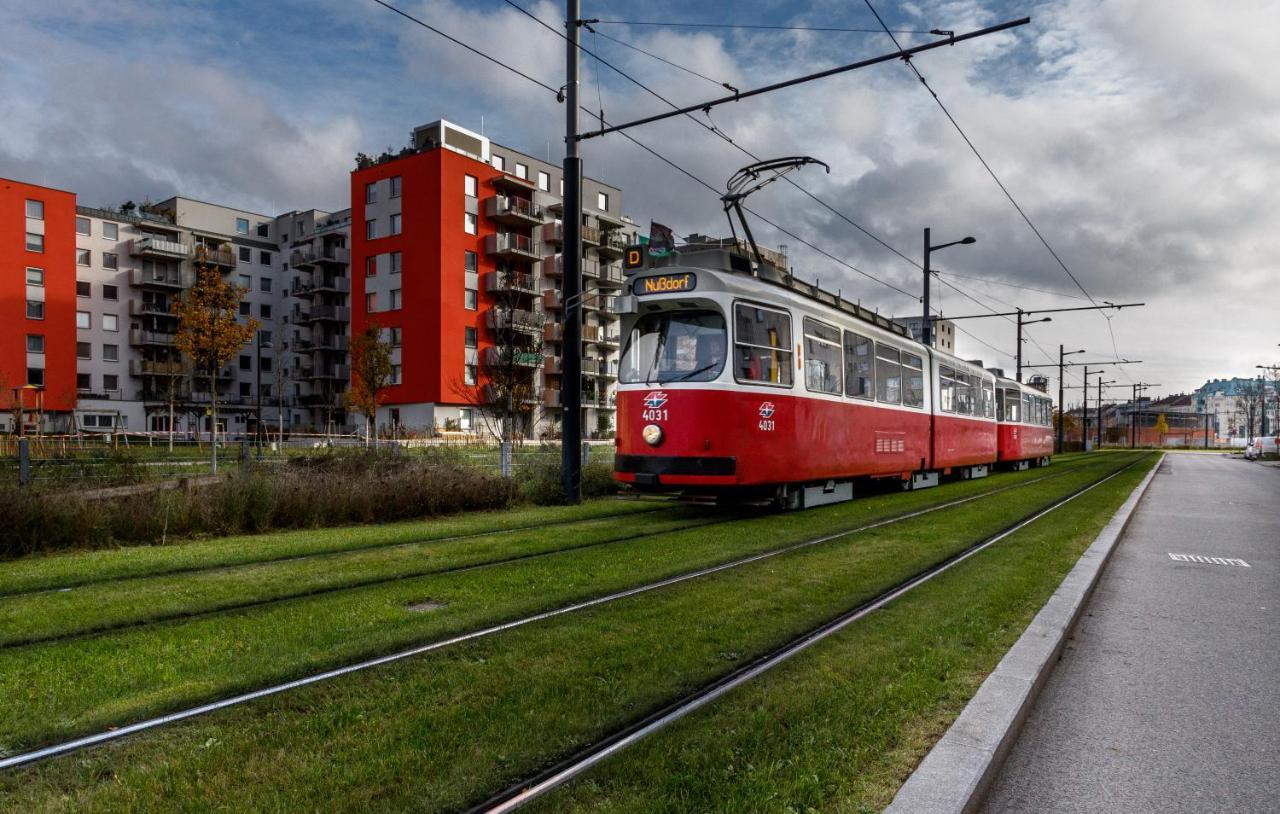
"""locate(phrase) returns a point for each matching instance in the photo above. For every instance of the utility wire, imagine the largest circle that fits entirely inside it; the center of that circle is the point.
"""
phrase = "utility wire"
(1010, 285)
(756, 27)
(689, 71)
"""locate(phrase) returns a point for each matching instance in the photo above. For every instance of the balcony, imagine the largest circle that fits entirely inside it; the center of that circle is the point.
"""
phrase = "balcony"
(340, 372)
(516, 320)
(608, 340)
(326, 313)
(217, 258)
(611, 276)
(554, 267)
(511, 211)
(599, 304)
(154, 246)
(552, 332)
(143, 367)
(552, 300)
(590, 236)
(505, 357)
(512, 247)
(336, 285)
(170, 281)
(551, 365)
(510, 281)
(337, 344)
(140, 338)
(305, 257)
(552, 233)
(613, 245)
(551, 398)
(150, 307)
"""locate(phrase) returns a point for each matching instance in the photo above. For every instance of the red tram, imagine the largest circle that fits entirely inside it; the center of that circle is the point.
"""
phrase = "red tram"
(749, 382)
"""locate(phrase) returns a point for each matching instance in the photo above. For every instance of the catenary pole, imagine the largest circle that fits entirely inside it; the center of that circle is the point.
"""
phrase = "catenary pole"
(926, 324)
(571, 338)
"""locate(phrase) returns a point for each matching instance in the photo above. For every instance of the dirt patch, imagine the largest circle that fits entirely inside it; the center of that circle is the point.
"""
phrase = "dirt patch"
(425, 606)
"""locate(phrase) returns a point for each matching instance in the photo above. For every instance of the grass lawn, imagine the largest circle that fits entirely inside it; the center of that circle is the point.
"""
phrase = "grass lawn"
(437, 732)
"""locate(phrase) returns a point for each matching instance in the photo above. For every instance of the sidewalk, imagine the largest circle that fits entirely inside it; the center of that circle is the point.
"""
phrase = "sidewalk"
(1167, 697)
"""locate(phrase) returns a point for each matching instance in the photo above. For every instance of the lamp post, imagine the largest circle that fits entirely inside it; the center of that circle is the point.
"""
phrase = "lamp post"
(1023, 321)
(1062, 407)
(259, 345)
(1101, 383)
(925, 324)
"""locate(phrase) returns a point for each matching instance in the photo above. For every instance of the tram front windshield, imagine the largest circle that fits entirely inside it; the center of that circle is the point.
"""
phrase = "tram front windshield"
(675, 346)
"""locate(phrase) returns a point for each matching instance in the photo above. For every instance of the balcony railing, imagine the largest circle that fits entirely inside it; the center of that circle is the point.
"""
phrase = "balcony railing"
(341, 372)
(553, 233)
(591, 235)
(150, 307)
(610, 276)
(554, 267)
(613, 244)
(552, 300)
(505, 244)
(153, 246)
(144, 367)
(332, 343)
(551, 365)
(552, 332)
(340, 285)
(516, 320)
(504, 357)
(512, 210)
(139, 337)
(214, 257)
(510, 281)
(551, 398)
(307, 256)
(141, 278)
(333, 313)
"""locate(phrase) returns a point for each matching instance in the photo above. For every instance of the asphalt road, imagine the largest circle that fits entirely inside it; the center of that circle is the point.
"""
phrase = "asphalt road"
(1167, 697)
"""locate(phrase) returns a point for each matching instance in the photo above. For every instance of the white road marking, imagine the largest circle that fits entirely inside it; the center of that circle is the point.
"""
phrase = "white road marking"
(1203, 560)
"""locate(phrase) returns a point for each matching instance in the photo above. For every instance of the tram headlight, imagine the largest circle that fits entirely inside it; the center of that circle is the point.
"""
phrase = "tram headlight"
(652, 434)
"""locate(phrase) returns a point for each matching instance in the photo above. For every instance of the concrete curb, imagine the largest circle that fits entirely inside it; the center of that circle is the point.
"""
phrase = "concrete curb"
(954, 776)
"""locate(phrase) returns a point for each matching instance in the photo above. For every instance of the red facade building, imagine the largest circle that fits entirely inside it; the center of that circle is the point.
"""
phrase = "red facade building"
(37, 301)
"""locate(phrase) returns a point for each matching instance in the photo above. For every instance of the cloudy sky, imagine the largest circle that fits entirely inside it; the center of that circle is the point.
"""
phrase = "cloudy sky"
(1141, 138)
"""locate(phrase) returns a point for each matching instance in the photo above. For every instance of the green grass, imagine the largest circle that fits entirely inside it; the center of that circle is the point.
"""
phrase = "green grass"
(436, 732)
(68, 687)
(52, 571)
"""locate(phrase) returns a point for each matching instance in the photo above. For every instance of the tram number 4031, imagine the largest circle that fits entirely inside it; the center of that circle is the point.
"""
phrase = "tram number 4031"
(654, 414)
(766, 423)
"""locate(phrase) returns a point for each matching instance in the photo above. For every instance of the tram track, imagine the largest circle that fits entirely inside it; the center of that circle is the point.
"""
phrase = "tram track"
(109, 627)
(83, 742)
(527, 791)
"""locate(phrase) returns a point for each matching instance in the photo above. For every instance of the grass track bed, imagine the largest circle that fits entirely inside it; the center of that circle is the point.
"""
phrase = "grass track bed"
(434, 733)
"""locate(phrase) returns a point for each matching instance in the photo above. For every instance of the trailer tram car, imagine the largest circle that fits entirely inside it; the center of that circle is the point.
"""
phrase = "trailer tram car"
(1024, 416)
(748, 383)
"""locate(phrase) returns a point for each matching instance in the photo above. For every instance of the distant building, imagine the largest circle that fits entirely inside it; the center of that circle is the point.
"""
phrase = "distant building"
(1238, 405)
(696, 241)
(944, 332)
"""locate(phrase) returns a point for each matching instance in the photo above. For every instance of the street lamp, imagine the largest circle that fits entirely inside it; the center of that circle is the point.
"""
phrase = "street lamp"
(1062, 406)
(1022, 322)
(925, 324)
(1101, 384)
(259, 344)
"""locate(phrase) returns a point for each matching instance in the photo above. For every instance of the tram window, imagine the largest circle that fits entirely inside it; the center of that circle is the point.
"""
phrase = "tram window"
(999, 404)
(964, 393)
(859, 378)
(888, 374)
(912, 380)
(821, 357)
(683, 346)
(988, 399)
(946, 390)
(762, 345)
(1027, 416)
(1012, 406)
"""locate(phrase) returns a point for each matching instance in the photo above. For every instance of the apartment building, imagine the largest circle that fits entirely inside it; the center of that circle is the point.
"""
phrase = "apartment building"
(458, 242)
(944, 331)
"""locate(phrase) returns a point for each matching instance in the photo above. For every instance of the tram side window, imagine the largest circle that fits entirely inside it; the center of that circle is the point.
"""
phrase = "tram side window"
(964, 393)
(988, 399)
(1028, 417)
(762, 345)
(821, 357)
(888, 374)
(1045, 412)
(859, 364)
(912, 380)
(1012, 406)
(946, 390)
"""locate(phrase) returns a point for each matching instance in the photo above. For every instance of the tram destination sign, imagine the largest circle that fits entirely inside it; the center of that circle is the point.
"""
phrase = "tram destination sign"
(665, 283)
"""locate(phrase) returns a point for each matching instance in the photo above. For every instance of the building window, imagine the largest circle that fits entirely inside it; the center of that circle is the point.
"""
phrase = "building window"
(246, 362)
(469, 336)
(82, 257)
(110, 322)
(395, 223)
(395, 374)
(394, 305)
(246, 282)
(602, 201)
(469, 260)
(371, 229)
(35, 243)
(83, 288)
(246, 254)
(371, 266)
(395, 262)
(371, 192)
(110, 292)
(35, 209)
(35, 376)
(110, 260)
(35, 276)
(264, 230)
(244, 389)
(469, 223)
(242, 226)
(499, 163)
(544, 181)
(468, 374)
(561, 187)
(84, 381)
(83, 320)
(264, 338)
(394, 337)
(84, 226)
(111, 231)
(469, 186)
(264, 258)
(264, 283)
(371, 302)
(111, 353)
(470, 299)
(395, 186)
(464, 419)
(35, 309)
(84, 350)
(522, 171)
(35, 343)
(110, 382)
(245, 309)
(264, 311)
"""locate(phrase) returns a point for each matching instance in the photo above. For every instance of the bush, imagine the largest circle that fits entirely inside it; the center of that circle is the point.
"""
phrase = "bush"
(540, 479)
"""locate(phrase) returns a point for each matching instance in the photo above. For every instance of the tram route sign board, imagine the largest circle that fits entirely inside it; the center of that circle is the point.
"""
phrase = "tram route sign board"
(665, 283)
(635, 257)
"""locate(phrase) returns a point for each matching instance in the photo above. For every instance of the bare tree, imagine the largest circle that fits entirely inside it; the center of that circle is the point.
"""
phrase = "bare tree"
(370, 373)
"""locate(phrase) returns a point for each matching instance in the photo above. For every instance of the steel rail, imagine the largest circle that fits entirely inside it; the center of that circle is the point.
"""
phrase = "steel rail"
(520, 794)
(86, 741)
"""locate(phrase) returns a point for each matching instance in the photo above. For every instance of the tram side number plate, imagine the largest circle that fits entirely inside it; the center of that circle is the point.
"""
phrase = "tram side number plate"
(665, 283)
